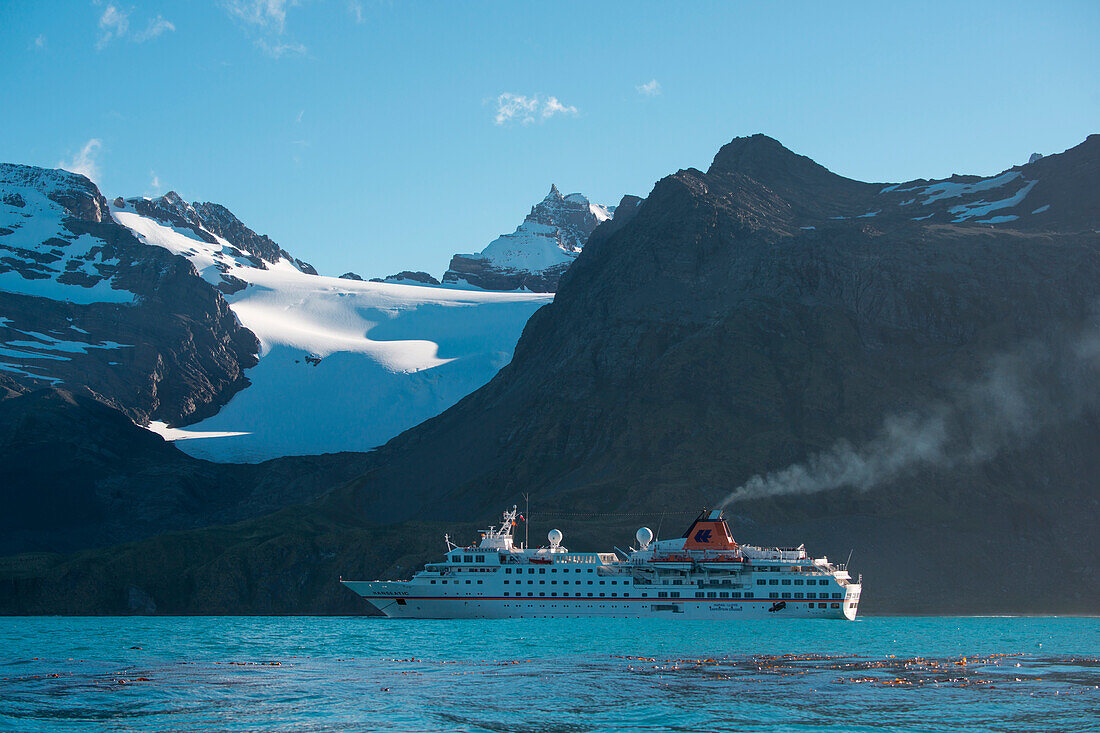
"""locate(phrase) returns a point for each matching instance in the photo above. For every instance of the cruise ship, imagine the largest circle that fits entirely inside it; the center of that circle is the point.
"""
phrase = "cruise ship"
(704, 574)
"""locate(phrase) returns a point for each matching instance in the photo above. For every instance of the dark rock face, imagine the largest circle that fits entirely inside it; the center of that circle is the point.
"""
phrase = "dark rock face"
(80, 474)
(538, 252)
(351, 276)
(91, 308)
(740, 321)
(407, 277)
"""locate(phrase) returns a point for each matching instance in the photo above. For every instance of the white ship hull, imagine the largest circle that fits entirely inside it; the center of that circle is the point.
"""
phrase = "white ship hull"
(396, 600)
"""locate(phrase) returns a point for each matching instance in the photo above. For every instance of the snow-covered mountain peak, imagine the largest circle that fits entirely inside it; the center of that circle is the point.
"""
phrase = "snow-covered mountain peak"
(536, 254)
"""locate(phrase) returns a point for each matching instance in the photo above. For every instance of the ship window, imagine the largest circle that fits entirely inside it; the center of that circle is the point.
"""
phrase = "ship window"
(761, 581)
(773, 582)
(481, 558)
(799, 582)
(467, 582)
(838, 595)
(590, 570)
(542, 571)
(590, 582)
(699, 595)
(508, 571)
(444, 582)
(724, 595)
(542, 594)
(786, 581)
(811, 595)
(797, 595)
(821, 605)
(677, 582)
(613, 595)
(662, 594)
(737, 594)
(834, 605)
(601, 595)
(479, 582)
(603, 582)
(712, 594)
(542, 582)
(529, 582)
(553, 594)
(467, 558)
(530, 571)
(626, 595)
(786, 595)
(614, 582)
(675, 594)
(589, 595)
(553, 582)
(530, 594)
(823, 581)
(773, 595)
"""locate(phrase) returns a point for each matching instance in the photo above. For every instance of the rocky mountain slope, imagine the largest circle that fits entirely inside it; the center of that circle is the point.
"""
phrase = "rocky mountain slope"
(906, 371)
(80, 474)
(85, 305)
(535, 255)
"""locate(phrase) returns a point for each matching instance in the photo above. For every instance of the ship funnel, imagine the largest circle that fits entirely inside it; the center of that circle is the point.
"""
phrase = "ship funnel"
(554, 536)
(644, 537)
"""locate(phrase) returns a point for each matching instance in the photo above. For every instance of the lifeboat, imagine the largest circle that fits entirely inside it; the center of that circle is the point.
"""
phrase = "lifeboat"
(542, 561)
(723, 562)
(672, 562)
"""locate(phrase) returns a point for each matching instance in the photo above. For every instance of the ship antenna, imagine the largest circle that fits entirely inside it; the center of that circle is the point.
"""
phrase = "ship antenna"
(849, 560)
(526, 519)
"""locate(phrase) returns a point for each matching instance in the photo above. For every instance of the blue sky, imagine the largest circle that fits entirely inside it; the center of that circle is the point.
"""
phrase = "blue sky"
(373, 136)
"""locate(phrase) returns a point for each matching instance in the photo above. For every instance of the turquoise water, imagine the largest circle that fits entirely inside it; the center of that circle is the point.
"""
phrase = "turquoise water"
(363, 674)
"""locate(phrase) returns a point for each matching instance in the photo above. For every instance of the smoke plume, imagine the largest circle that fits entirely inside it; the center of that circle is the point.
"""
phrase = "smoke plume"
(1017, 395)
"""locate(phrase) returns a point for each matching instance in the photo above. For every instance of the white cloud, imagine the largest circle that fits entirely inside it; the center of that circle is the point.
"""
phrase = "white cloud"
(300, 113)
(278, 49)
(515, 106)
(356, 9)
(39, 41)
(526, 110)
(85, 162)
(154, 184)
(114, 23)
(267, 20)
(157, 26)
(650, 89)
(554, 107)
(269, 15)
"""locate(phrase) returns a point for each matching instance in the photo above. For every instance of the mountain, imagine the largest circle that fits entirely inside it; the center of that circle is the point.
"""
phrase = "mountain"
(535, 255)
(344, 364)
(152, 311)
(80, 474)
(905, 371)
(87, 305)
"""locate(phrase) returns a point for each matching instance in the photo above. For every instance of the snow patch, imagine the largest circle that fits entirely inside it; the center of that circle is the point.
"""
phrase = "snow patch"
(963, 212)
(948, 189)
(1041, 209)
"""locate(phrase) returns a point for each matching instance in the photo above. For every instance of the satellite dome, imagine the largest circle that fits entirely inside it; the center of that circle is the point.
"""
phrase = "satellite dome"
(644, 536)
(554, 536)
